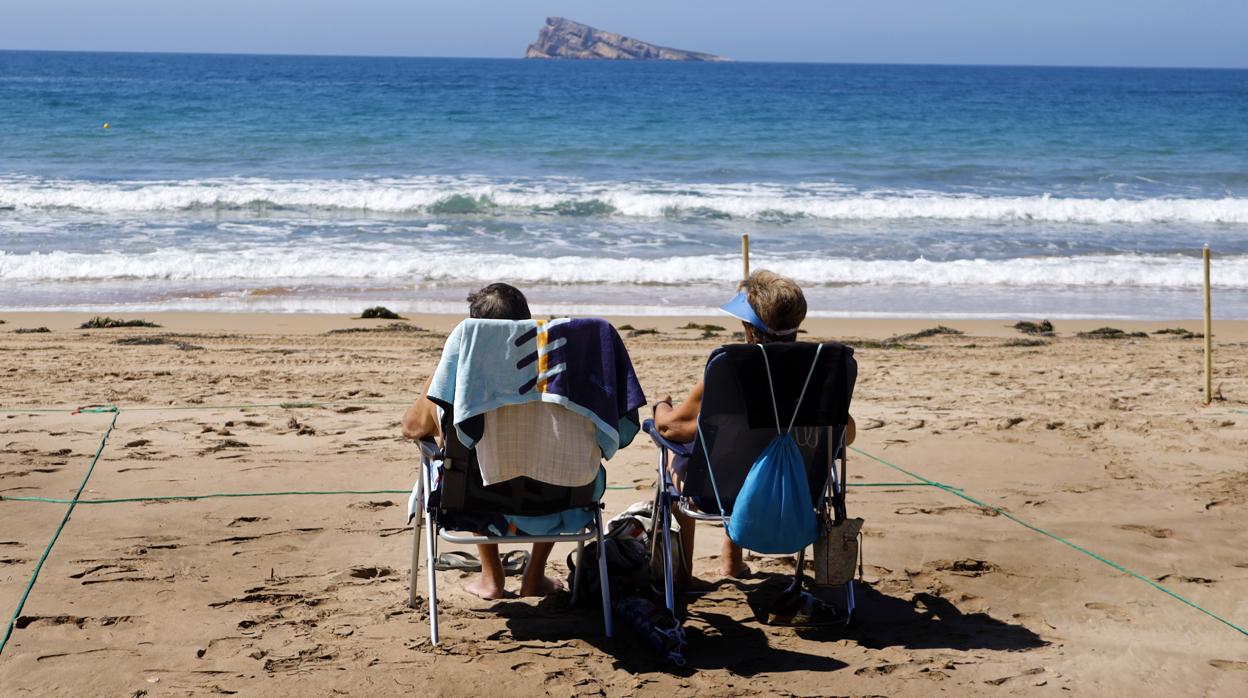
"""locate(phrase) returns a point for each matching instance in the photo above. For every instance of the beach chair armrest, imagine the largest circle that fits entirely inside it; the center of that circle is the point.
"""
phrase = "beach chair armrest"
(673, 446)
(429, 450)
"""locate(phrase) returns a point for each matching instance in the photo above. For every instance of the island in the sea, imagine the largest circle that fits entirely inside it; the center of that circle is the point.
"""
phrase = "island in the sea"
(563, 38)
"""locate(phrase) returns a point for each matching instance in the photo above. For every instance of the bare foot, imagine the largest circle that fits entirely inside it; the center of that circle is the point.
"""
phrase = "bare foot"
(545, 587)
(483, 588)
(735, 569)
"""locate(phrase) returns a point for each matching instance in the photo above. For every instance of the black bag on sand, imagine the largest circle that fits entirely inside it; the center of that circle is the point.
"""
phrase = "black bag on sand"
(628, 569)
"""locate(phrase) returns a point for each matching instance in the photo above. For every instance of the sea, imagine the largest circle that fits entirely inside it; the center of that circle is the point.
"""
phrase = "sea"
(145, 182)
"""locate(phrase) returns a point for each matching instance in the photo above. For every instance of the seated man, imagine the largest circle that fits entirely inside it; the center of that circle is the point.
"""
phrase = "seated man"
(422, 420)
(771, 308)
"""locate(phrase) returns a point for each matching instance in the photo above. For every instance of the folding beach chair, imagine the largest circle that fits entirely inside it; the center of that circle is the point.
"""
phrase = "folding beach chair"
(450, 488)
(739, 419)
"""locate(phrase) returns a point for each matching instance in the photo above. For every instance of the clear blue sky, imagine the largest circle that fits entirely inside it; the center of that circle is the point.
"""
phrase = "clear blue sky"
(1210, 33)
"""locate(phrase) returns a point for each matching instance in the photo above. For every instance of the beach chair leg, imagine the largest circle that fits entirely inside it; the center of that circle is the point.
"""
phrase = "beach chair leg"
(431, 556)
(669, 579)
(416, 533)
(849, 602)
(663, 510)
(603, 581)
(580, 568)
(414, 577)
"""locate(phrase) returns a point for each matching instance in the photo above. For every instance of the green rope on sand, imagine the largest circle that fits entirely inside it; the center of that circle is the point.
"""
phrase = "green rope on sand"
(193, 497)
(902, 484)
(8, 632)
(958, 493)
(219, 495)
(160, 408)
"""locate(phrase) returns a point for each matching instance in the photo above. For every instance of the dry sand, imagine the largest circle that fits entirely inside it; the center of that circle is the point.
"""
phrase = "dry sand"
(1101, 441)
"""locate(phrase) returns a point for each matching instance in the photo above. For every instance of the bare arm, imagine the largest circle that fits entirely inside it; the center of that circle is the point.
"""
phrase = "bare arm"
(421, 419)
(679, 424)
(851, 431)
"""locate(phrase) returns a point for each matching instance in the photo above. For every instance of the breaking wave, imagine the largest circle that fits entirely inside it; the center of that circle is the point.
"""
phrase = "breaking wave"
(284, 263)
(469, 195)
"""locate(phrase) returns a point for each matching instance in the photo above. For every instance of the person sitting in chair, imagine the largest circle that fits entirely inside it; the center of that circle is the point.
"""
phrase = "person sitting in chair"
(422, 420)
(771, 307)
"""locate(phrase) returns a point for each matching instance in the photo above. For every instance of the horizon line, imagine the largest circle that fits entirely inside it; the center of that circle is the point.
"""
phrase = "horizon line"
(555, 60)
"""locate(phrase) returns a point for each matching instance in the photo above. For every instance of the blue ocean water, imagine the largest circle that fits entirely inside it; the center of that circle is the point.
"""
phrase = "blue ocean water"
(319, 183)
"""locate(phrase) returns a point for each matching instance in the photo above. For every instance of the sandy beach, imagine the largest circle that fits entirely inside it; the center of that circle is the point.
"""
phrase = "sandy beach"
(1103, 442)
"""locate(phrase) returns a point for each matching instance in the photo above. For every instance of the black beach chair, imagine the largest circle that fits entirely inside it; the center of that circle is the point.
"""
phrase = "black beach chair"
(459, 494)
(738, 421)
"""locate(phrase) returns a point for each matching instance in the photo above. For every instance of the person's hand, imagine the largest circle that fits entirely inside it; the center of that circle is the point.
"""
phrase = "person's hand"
(665, 403)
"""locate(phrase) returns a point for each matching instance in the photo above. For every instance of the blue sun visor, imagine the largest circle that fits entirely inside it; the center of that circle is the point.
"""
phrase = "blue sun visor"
(740, 308)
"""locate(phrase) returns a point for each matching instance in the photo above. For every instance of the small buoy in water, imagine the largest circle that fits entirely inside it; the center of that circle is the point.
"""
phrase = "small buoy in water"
(105, 124)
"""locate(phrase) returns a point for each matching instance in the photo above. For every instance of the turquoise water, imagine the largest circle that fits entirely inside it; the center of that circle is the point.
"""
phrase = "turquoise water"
(305, 183)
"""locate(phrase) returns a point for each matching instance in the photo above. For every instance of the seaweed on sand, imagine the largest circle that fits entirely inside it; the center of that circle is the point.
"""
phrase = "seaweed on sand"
(381, 312)
(922, 334)
(1110, 333)
(643, 331)
(153, 341)
(1180, 332)
(1044, 328)
(390, 327)
(98, 322)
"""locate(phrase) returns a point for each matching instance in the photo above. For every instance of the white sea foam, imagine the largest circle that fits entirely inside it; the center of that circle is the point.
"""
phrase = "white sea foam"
(285, 264)
(470, 194)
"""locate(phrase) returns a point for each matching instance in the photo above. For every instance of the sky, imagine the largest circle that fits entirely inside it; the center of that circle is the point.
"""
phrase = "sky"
(1172, 33)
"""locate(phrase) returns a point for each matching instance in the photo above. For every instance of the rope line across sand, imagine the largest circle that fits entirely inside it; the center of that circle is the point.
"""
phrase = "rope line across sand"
(161, 408)
(8, 631)
(219, 495)
(920, 481)
(959, 493)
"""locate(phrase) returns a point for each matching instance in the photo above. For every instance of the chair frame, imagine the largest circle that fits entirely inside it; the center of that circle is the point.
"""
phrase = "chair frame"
(424, 517)
(669, 498)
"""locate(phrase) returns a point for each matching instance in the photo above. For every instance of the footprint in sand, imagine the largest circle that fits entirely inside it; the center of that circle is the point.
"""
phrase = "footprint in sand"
(370, 571)
(968, 567)
(882, 670)
(1186, 579)
(1228, 665)
(372, 506)
(1036, 671)
(246, 520)
(1153, 531)
(1114, 612)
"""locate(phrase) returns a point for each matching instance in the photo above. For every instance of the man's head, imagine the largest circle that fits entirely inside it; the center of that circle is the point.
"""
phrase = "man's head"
(499, 302)
(778, 302)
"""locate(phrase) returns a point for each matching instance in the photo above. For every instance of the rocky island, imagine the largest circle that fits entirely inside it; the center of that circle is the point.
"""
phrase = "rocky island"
(563, 38)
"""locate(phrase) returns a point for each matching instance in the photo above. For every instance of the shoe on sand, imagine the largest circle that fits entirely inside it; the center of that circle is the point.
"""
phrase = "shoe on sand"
(804, 610)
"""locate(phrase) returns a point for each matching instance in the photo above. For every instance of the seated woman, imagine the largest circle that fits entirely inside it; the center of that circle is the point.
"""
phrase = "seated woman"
(771, 308)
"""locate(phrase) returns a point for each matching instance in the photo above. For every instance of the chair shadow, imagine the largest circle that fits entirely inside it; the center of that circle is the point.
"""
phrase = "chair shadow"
(924, 621)
(726, 644)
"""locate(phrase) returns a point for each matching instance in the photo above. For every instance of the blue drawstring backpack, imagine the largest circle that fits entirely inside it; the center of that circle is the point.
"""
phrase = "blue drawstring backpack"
(773, 512)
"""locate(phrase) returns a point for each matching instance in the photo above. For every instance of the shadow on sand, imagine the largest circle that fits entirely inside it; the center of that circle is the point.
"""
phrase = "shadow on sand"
(922, 621)
(739, 643)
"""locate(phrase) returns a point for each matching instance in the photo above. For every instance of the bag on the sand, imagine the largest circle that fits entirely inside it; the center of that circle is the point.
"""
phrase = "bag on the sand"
(773, 512)
(657, 554)
(654, 623)
(628, 569)
(838, 552)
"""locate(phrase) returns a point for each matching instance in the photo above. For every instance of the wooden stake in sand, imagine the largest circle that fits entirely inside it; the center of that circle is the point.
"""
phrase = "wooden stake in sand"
(745, 256)
(1208, 333)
